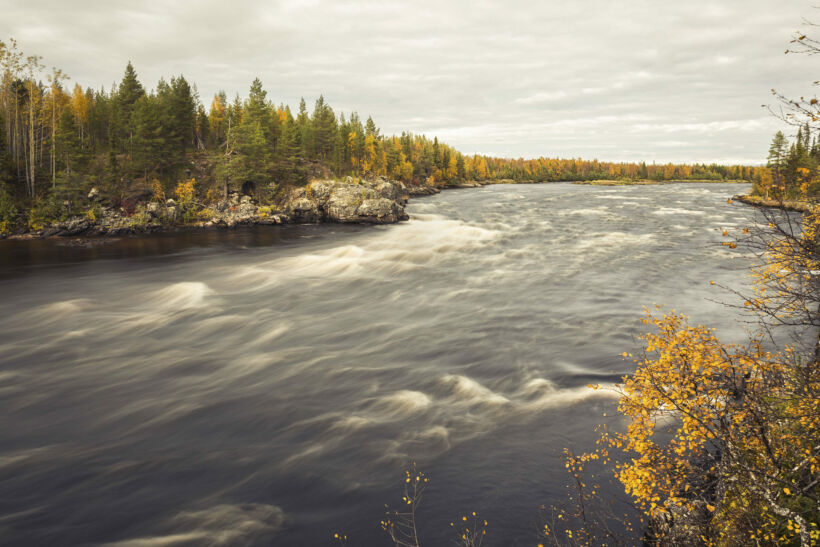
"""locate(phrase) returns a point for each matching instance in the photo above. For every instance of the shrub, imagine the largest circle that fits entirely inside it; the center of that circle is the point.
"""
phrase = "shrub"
(8, 213)
(45, 211)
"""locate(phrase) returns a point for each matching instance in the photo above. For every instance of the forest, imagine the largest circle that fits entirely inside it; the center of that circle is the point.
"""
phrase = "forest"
(59, 141)
(791, 167)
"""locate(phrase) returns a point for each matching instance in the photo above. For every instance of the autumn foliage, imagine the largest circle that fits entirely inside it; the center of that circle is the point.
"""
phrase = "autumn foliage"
(722, 441)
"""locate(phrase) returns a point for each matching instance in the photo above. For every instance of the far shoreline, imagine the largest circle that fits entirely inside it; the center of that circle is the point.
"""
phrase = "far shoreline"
(84, 238)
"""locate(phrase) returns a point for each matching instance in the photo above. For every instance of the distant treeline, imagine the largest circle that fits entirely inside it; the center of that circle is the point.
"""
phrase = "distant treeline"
(59, 141)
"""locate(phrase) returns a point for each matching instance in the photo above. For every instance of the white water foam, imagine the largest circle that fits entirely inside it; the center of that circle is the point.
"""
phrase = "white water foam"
(422, 241)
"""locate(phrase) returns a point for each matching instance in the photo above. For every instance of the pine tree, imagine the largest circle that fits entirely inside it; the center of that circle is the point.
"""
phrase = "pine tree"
(370, 128)
(180, 105)
(257, 109)
(68, 147)
(129, 92)
(150, 147)
(777, 151)
(290, 169)
(202, 127)
(324, 129)
(778, 157)
(303, 121)
(249, 161)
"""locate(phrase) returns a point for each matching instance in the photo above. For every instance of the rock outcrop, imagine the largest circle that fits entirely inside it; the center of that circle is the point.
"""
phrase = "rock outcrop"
(679, 525)
(379, 201)
(238, 211)
(422, 190)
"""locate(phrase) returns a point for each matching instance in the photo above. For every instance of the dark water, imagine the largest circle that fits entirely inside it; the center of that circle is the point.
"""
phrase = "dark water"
(269, 386)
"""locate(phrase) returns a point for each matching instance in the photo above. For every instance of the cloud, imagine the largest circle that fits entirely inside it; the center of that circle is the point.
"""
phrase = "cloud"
(508, 78)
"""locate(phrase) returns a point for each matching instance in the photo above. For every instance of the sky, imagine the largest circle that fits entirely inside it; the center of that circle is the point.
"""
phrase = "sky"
(652, 80)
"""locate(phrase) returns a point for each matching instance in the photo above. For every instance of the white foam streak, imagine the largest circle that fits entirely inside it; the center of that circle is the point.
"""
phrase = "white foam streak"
(420, 242)
(219, 525)
(401, 404)
(676, 211)
(466, 389)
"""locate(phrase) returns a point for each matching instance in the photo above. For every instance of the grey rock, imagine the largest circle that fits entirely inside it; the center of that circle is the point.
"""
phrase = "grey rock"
(304, 210)
(75, 225)
(379, 211)
(680, 526)
(377, 202)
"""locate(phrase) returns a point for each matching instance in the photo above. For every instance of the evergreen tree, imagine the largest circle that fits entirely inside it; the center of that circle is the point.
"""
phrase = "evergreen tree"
(370, 128)
(150, 147)
(291, 167)
(249, 155)
(202, 127)
(69, 150)
(180, 105)
(129, 92)
(777, 152)
(303, 121)
(324, 129)
(257, 109)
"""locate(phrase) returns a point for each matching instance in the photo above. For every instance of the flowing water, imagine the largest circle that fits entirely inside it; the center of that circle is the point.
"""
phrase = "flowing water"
(269, 386)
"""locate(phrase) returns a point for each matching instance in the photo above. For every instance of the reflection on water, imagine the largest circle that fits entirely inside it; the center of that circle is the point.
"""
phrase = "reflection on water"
(269, 385)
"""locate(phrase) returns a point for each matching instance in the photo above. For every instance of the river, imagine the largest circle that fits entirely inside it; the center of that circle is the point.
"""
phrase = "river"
(269, 385)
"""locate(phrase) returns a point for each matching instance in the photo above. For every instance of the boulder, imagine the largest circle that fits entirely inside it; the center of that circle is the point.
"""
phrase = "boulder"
(169, 214)
(94, 194)
(304, 210)
(379, 211)
(422, 190)
(246, 209)
(320, 191)
(344, 202)
(75, 225)
(376, 202)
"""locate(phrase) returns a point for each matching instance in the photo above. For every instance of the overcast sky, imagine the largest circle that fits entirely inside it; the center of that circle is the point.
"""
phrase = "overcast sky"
(654, 80)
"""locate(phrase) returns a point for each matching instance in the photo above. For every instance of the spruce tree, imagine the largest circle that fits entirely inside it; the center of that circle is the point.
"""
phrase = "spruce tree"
(69, 151)
(777, 152)
(303, 121)
(324, 129)
(150, 146)
(129, 92)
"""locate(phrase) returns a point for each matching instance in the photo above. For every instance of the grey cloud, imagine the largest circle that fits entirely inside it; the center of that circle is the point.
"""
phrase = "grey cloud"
(616, 80)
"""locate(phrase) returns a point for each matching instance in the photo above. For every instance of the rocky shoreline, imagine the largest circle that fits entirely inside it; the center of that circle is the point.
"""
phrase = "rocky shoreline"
(377, 201)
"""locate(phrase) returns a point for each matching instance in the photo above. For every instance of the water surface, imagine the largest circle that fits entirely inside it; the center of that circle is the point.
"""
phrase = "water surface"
(269, 385)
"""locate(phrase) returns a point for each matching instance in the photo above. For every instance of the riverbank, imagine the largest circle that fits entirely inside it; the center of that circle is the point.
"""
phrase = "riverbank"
(786, 205)
(349, 201)
(375, 201)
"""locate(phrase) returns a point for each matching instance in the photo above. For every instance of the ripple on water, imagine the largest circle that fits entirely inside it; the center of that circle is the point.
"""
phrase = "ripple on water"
(274, 394)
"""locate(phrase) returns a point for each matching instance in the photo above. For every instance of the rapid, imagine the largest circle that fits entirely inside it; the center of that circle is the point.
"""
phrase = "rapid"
(269, 385)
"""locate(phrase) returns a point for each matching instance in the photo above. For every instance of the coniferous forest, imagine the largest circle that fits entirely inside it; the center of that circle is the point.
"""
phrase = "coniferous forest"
(60, 140)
